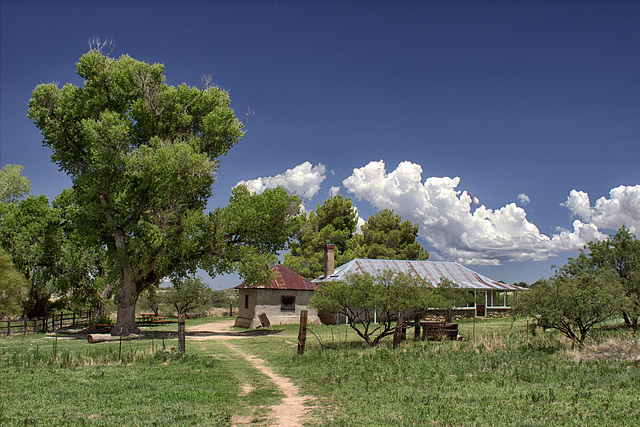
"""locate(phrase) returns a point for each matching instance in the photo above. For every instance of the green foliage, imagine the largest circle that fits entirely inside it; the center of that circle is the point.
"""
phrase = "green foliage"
(81, 275)
(13, 186)
(384, 236)
(13, 286)
(30, 231)
(590, 288)
(447, 295)
(142, 156)
(221, 298)
(620, 253)
(46, 247)
(150, 299)
(363, 298)
(186, 294)
(335, 221)
(572, 303)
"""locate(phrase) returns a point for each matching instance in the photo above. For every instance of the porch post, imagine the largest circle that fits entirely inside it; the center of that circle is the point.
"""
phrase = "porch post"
(475, 303)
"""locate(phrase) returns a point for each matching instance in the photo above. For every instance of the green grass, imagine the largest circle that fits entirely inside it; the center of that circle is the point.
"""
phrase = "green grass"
(137, 382)
(502, 377)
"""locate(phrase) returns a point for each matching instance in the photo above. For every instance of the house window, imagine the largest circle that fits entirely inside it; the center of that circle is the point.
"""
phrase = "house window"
(246, 301)
(288, 303)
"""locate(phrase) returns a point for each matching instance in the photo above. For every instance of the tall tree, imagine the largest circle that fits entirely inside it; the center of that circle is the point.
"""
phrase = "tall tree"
(142, 156)
(386, 236)
(13, 186)
(335, 221)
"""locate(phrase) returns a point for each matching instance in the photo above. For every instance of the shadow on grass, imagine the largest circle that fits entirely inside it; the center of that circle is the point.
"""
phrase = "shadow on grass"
(83, 334)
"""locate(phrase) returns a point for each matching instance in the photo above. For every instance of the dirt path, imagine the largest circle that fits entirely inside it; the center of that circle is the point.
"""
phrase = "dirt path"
(292, 409)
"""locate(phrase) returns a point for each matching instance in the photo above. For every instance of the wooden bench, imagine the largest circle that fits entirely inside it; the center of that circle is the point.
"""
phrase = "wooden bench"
(150, 319)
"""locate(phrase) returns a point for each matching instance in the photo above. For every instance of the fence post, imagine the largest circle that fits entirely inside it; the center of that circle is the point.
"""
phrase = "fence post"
(61, 317)
(9, 333)
(53, 322)
(302, 334)
(25, 325)
(181, 341)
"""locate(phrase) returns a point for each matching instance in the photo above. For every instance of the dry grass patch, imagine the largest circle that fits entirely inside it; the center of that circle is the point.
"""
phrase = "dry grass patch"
(613, 348)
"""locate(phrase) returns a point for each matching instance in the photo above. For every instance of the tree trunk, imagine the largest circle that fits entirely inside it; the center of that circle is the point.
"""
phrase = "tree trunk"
(632, 322)
(127, 299)
(397, 335)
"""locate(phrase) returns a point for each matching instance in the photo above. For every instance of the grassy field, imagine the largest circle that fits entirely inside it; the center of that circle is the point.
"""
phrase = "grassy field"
(502, 377)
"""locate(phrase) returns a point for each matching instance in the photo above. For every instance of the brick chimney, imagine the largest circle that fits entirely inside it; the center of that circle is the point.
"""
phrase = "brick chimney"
(328, 259)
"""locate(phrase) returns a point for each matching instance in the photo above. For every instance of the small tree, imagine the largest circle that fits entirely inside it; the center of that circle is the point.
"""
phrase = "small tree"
(363, 297)
(572, 304)
(150, 300)
(621, 253)
(186, 294)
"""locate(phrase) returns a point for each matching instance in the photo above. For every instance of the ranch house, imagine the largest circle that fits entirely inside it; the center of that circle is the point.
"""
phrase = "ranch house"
(277, 302)
(491, 297)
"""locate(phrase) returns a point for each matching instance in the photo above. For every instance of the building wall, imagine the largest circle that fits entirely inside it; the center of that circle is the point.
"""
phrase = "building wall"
(253, 302)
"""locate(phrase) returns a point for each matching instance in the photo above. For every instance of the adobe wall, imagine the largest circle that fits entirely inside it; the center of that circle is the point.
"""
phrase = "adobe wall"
(269, 302)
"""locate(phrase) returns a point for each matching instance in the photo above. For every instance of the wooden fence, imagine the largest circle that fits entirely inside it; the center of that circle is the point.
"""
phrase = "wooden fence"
(45, 324)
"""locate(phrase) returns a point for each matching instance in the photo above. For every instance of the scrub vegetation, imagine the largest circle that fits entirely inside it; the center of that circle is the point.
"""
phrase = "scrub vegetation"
(500, 375)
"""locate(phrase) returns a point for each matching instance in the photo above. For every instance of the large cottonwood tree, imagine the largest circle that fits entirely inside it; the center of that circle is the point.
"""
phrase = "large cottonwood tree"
(142, 156)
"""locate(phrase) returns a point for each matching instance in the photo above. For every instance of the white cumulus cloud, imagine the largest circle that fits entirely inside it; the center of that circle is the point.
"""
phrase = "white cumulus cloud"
(622, 207)
(303, 180)
(448, 222)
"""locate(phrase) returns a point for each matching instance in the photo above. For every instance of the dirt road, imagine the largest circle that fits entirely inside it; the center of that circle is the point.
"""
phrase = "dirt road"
(292, 410)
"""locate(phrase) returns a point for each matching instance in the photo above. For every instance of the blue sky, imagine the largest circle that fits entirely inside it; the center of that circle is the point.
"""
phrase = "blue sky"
(508, 130)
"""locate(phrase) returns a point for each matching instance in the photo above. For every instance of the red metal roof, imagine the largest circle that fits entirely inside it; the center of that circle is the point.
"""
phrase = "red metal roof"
(284, 279)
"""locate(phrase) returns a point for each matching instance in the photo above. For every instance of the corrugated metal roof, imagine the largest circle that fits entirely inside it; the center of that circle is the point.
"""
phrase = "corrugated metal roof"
(430, 271)
(284, 279)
